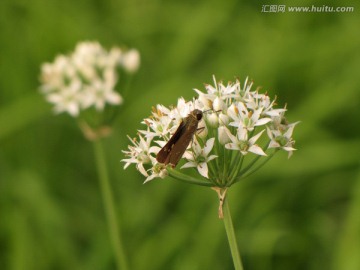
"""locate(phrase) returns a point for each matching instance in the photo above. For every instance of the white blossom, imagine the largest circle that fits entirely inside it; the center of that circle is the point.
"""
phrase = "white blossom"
(241, 142)
(234, 119)
(199, 157)
(140, 153)
(85, 78)
(243, 117)
(282, 139)
(223, 136)
(131, 60)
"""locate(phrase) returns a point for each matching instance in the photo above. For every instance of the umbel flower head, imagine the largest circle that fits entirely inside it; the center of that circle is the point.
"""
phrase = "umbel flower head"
(86, 78)
(239, 131)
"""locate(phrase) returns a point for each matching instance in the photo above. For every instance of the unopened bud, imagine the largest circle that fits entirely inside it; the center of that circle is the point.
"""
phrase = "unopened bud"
(131, 60)
(223, 119)
(219, 104)
(223, 136)
(203, 131)
(213, 120)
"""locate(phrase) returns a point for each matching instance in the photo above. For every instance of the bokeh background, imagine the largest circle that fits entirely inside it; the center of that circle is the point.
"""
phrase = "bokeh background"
(302, 213)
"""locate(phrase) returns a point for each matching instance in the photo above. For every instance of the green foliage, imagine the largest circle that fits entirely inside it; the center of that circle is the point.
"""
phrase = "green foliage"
(301, 213)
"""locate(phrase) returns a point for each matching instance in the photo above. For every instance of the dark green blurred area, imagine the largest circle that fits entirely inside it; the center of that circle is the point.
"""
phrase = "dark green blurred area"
(302, 213)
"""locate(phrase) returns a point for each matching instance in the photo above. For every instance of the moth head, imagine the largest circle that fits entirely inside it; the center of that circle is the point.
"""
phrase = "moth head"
(197, 114)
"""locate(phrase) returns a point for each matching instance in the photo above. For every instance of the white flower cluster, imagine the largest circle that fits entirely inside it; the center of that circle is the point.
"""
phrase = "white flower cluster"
(234, 118)
(86, 78)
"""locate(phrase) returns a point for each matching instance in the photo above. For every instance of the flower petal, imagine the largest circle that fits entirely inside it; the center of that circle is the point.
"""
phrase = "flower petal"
(211, 158)
(288, 148)
(262, 121)
(256, 150)
(208, 146)
(203, 169)
(232, 146)
(189, 164)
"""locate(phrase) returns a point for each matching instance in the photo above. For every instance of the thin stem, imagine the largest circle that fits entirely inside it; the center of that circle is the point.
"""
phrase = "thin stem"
(212, 169)
(231, 236)
(236, 169)
(113, 225)
(216, 149)
(126, 87)
(187, 178)
(248, 167)
(225, 159)
(248, 173)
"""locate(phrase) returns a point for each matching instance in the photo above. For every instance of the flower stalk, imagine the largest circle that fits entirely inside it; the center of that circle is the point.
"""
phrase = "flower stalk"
(230, 232)
(221, 192)
(109, 206)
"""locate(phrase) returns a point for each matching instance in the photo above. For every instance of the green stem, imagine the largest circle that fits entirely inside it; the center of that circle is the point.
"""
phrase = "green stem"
(237, 168)
(231, 236)
(266, 160)
(187, 178)
(126, 87)
(113, 225)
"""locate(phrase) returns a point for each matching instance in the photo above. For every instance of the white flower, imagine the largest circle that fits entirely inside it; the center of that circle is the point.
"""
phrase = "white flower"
(223, 119)
(282, 139)
(160, 126)
(262, 101)
(202, 130)
(157, 171)
(199, 157)
(223, 137)
(245, 118)
(67, 100)
(219, 104)
(182, 110)
(131, 60)
(139, 153)
(219, 90)
(98, 94)
(56, 75)
(86, 78)
(212, 119)
(243, 144)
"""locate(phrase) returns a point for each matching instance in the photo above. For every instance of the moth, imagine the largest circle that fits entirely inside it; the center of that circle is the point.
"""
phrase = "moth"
(174, 149)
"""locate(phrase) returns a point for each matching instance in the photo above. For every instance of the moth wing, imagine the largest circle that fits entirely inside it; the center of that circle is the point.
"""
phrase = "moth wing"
(163, 154)
(180, 146)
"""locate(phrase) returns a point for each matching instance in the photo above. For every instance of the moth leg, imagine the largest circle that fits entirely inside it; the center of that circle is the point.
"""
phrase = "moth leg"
(200, 129)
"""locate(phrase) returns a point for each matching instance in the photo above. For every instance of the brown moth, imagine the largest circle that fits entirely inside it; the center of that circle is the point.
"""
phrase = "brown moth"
(174, 149)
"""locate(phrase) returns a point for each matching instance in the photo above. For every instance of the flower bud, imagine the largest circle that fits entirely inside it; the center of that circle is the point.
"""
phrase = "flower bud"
(204, 101)
(233, 111)
(222, 135)
(131, 61)
(114, 56)
(212, 120)
(203, 132)
(223, 119)
(218, 104)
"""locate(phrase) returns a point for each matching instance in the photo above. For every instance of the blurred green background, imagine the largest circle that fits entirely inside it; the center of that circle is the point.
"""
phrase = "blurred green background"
(302, 213)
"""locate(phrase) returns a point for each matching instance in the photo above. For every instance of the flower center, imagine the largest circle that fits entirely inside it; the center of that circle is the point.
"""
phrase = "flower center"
(143, 157)
(243, 145)
(281, 140)
(246, 121)
(200, 159)
(160, 128)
